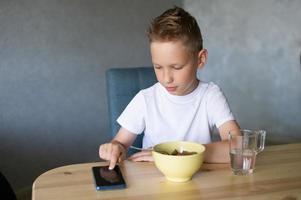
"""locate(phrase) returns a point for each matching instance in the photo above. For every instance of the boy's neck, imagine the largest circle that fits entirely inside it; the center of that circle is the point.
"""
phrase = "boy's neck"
(195, 85)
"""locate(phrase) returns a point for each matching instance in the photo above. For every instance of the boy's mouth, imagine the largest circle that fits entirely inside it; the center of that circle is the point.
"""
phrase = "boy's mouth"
(171, 89)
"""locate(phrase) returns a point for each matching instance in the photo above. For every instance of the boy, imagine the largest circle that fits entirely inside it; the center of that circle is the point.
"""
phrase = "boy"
(179, 106)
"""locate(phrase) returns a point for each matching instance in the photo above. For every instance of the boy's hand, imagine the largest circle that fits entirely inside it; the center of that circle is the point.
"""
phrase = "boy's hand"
(113, 152)
(145, 155)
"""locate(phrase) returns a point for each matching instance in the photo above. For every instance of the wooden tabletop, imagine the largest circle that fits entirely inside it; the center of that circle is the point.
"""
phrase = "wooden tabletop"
(277, 176)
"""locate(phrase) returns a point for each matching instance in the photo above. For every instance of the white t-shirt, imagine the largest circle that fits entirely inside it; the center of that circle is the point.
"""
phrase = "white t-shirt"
(165, 117)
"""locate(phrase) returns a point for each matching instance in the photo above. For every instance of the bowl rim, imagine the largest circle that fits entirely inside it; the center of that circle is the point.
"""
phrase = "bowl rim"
(179, 141)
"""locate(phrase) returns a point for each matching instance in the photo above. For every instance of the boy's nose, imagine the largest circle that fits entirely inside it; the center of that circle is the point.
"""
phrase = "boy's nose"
(168, 77)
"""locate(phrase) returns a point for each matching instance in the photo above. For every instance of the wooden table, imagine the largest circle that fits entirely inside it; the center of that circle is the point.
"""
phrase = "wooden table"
(277, 176)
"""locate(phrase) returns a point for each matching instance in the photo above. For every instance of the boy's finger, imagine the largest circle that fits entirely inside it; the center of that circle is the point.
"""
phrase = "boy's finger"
(147, 158)
(106, 154)
(115, 155)
(103, 152)
(112, 162)
(142, 156)
(120, 159)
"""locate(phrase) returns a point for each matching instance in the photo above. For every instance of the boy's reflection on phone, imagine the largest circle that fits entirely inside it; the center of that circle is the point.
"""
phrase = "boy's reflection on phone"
(109, 175)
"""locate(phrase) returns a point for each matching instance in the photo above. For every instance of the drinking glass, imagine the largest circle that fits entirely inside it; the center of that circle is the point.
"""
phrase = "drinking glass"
(244, 147)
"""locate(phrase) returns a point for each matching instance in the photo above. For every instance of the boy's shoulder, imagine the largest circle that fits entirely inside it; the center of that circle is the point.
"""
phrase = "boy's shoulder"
(213, 91)
(212, 86)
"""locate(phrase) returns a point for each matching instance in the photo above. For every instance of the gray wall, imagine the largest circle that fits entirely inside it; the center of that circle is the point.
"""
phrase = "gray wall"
(254, 55)
(53, 56)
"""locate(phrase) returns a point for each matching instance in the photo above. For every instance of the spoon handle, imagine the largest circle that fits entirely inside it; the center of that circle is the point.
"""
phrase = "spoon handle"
(140, 149)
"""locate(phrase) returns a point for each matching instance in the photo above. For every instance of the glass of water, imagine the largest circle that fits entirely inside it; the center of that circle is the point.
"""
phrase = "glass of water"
(244, 147)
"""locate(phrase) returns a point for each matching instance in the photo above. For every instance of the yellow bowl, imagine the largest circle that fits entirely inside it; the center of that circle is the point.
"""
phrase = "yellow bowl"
(178, 168)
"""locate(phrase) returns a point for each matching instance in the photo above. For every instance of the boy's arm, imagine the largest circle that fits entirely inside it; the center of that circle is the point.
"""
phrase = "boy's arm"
(116, 150)
(218, 152)
(125, 137)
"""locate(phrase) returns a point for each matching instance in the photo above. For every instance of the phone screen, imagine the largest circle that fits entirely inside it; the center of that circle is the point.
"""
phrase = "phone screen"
(106, 179)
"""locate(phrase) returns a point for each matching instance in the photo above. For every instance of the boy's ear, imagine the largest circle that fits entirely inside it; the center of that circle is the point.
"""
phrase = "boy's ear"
(202, 58)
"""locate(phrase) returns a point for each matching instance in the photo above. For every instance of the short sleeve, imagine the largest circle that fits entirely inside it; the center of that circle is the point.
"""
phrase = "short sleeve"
(217, 107)
(132, 118)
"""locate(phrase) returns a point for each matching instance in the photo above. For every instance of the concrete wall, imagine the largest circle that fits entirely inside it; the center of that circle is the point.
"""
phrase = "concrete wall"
(254, 55)
(53, 56)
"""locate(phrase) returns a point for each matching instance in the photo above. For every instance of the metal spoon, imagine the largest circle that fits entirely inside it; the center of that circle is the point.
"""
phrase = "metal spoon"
(141, 149)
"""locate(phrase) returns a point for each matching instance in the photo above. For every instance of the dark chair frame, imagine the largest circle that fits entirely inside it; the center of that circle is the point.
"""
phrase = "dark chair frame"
(6, 191)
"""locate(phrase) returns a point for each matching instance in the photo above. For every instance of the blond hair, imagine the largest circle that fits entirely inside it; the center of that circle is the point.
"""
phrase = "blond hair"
(176, 25)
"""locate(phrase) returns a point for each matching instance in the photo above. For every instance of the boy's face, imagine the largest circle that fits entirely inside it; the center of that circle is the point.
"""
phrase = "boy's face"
(176, 67)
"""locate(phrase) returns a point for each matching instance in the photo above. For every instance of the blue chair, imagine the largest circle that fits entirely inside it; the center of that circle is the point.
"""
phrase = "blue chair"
(122, 85)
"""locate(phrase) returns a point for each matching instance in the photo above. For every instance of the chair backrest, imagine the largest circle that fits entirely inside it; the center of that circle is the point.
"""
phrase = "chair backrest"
(6, 191)
(122, 85)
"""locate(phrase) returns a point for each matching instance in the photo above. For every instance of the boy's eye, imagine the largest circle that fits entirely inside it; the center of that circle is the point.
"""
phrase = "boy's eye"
(177, 67)
(157, 67)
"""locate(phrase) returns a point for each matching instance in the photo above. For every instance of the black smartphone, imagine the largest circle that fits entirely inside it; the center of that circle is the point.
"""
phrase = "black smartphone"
(106, 179)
